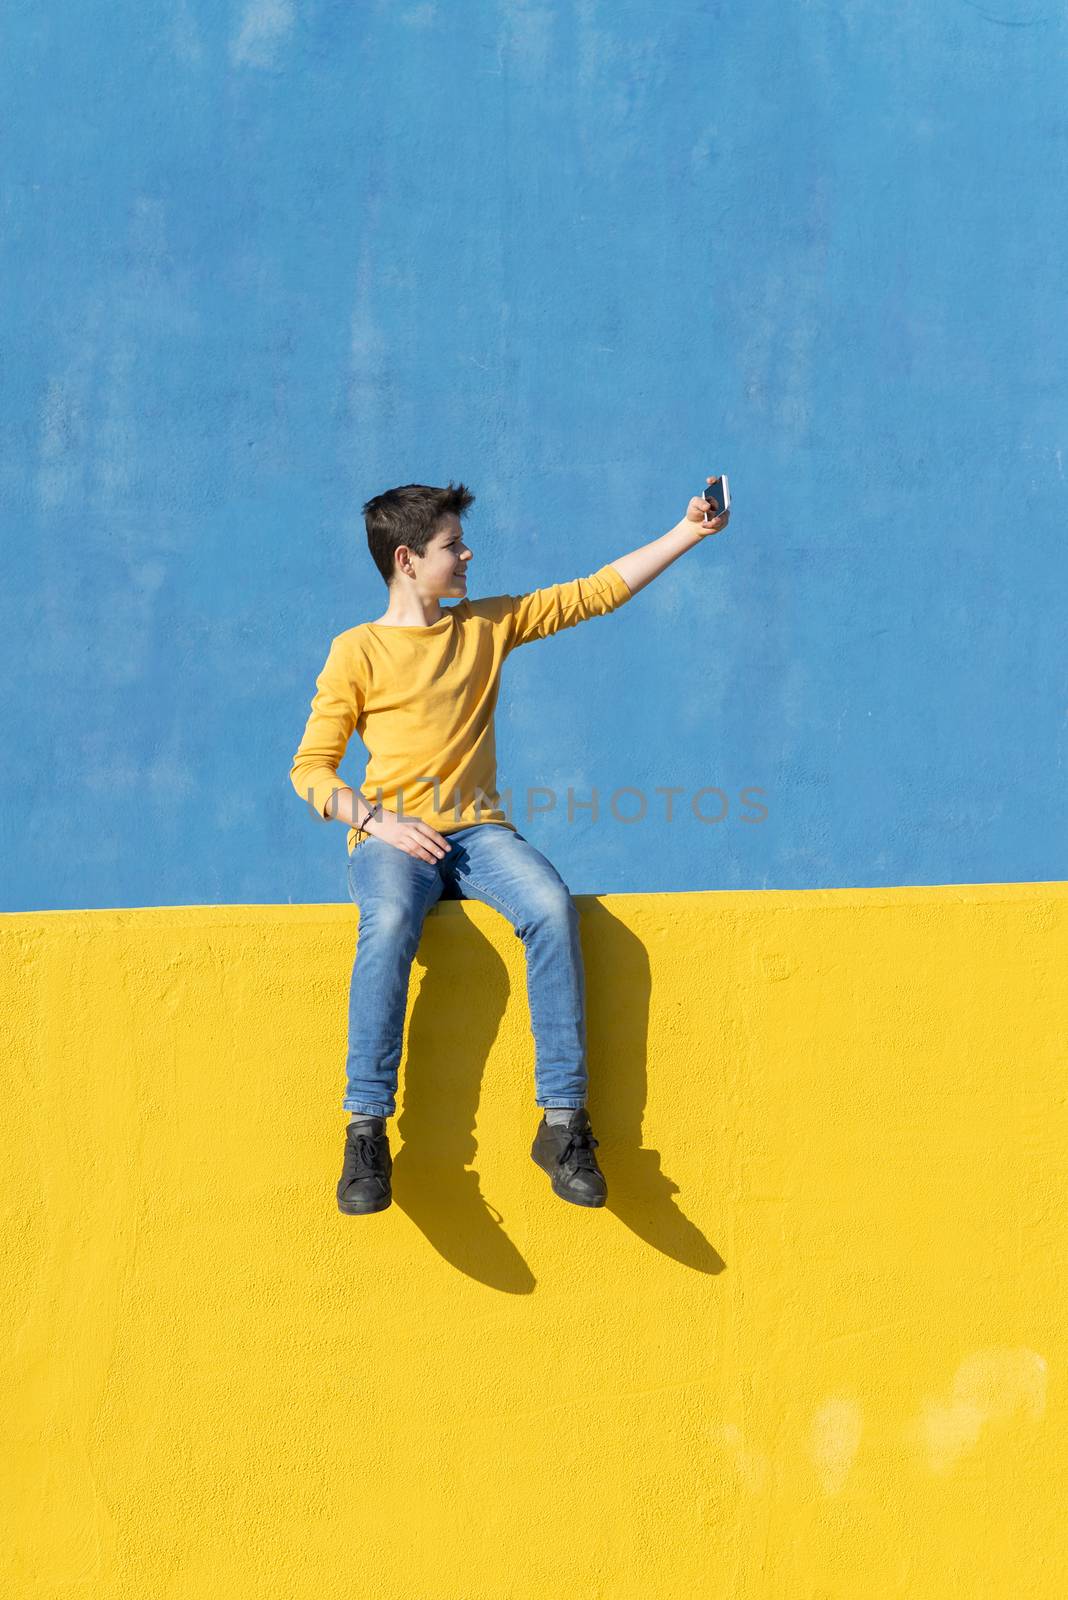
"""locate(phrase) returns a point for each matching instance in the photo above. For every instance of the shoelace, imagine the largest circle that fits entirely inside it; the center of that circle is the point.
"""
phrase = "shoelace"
(581, 1145)
(363, 1157)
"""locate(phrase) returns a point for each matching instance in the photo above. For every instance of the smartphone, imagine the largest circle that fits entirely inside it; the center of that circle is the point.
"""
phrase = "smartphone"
(718, 495)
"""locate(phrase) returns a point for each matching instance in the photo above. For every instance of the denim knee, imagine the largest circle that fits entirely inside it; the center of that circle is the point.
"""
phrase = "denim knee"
(553, 907)
(386, 919)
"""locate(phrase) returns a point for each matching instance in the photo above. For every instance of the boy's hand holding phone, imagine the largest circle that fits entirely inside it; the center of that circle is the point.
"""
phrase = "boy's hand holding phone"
(713, 509)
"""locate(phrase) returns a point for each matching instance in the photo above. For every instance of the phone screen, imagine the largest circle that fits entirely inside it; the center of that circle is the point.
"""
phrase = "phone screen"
(718, 495)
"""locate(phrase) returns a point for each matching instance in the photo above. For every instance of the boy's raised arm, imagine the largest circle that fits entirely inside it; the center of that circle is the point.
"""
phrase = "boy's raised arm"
(562, 605)
(545, 611)
(641, 566)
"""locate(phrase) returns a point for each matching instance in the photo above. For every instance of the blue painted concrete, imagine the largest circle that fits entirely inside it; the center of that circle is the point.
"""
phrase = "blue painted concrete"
(264, 259)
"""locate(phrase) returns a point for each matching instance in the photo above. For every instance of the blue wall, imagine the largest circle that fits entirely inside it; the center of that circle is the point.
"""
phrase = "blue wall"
(264, 259)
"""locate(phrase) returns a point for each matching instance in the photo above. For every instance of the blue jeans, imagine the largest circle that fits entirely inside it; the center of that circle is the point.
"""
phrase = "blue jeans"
(394, 891)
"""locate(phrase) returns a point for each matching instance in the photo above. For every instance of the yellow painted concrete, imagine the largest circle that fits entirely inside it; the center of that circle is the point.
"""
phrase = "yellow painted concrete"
(813, 1347)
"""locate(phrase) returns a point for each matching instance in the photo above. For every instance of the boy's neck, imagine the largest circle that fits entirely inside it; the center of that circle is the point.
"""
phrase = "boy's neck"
(417, 616)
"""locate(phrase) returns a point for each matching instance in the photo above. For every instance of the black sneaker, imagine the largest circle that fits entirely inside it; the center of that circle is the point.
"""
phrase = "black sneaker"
(365, 1178)
(565, 1151)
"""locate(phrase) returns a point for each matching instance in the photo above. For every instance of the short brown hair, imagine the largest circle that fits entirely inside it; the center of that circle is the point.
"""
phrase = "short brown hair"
(409, 515)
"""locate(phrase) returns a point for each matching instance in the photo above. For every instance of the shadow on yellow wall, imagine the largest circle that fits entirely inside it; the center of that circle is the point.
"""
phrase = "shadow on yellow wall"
(468, 994)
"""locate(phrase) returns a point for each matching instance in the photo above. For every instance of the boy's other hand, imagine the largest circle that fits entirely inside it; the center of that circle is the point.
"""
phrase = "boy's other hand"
(416, 838)
(697, 510)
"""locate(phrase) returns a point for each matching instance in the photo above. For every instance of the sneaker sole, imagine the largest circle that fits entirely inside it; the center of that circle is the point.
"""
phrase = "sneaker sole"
(349, 1210)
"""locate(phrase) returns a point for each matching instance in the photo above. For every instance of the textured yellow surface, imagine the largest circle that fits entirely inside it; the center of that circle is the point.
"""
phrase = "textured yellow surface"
(814, 1345)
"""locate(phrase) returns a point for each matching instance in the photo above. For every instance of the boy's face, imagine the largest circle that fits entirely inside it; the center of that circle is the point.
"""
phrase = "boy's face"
(442, 570)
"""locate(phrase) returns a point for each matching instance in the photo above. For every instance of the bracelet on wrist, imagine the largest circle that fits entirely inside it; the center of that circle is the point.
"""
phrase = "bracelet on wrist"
(373, 811)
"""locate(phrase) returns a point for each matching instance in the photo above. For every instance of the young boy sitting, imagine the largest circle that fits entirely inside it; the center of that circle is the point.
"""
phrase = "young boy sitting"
(419, 685)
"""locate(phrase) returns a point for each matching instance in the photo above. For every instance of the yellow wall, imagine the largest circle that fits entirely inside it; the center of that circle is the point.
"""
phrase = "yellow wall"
(810, 1348)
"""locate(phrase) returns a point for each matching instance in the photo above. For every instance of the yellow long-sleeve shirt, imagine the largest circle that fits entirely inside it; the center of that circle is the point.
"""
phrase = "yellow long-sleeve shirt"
(422, 700)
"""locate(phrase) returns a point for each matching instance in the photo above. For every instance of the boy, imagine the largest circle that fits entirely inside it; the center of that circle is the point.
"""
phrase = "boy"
(419, 684)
